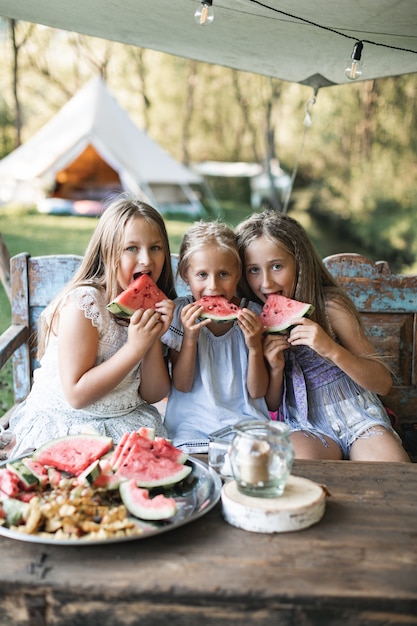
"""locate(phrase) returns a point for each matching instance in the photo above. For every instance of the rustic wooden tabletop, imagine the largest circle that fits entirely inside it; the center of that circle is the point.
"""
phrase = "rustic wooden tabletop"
(358, 565)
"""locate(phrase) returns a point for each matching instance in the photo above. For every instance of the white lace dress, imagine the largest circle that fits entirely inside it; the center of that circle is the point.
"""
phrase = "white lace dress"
(46, 414)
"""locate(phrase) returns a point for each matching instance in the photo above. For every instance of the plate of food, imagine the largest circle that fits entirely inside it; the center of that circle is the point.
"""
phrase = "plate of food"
(83, 490)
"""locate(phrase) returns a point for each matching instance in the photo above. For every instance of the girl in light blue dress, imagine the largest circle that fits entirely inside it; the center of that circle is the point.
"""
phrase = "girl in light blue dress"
(219, 374)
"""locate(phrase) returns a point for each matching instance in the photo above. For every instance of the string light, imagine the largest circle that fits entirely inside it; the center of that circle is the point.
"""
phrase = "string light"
(353, 69)
(204, 14)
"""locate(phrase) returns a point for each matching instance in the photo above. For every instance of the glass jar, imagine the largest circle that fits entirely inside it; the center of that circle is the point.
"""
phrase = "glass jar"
(261, 456)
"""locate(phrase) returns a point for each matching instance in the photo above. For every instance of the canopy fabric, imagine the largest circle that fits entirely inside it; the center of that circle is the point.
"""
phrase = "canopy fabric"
(295, 40)
(92, 121)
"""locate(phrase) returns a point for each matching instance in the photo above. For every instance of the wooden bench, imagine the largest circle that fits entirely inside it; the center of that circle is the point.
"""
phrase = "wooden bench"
(388, 305)
(35, 281)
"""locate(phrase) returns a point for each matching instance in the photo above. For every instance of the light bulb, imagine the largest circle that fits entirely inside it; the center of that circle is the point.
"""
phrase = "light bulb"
(353, 69)
(204, 14)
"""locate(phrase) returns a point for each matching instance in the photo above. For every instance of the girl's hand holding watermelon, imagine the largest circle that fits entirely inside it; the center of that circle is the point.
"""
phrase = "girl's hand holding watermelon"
(274, 346)
(165, 309)
(190, 318)
(308, 333)
(144, 329)
(251, 326)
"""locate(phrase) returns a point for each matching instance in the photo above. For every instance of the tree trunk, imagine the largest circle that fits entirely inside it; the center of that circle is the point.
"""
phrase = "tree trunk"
(18, 116)
(5, 268)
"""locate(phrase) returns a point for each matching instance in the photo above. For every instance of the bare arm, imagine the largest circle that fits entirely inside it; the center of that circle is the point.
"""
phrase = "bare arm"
(82, 380)
(257, 378)
(183, 362)
(354, 353)
(274, 346)
(155, 381)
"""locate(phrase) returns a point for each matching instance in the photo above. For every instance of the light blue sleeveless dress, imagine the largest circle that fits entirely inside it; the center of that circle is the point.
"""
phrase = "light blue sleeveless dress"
(219, 396)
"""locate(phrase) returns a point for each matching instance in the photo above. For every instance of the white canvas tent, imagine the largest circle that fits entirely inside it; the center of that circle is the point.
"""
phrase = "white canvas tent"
(90, 149)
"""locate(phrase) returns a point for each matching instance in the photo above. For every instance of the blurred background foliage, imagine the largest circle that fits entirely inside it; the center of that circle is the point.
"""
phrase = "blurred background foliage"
(356, 184)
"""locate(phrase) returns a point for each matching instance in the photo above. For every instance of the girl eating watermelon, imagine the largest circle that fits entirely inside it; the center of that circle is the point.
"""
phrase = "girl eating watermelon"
(100, 372)
(324, 375)
(219, 374)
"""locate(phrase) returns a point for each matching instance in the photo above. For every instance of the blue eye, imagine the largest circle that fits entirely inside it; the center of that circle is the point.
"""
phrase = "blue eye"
(253, 270)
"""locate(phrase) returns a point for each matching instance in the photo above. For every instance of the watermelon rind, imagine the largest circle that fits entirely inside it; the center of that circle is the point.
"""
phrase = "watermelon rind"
(15, 511)
(37, 469)
(91, 473)
(139, 504)
(279, 312)
(26, 477)
(218, 309)
(118, 309)
(164, 481)
(73, 453)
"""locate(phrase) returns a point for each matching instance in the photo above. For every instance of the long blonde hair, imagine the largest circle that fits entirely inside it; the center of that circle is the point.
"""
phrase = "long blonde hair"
(313, 282)
(100, 263)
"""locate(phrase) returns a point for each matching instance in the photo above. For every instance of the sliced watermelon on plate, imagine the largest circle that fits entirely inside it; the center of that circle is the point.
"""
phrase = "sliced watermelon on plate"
(278, 313)
(73, 453)
(149, 467)
(142, 293)
(218, 309)
(138, 502)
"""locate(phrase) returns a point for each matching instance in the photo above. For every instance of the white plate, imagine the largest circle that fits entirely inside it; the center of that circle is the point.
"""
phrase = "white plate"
(202, 496)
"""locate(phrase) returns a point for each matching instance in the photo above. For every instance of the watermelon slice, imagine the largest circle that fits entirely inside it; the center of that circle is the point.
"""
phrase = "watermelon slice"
(278, 313)
(73, 453)
(9, 483)
(218, 309)
(142, 293)
(148, 469)
(26, 478)
(139, 504)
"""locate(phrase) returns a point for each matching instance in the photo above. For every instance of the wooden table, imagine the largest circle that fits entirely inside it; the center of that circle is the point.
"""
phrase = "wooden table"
(357, 566)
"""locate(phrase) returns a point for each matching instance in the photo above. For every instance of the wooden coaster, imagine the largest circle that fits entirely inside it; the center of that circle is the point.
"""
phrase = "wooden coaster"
(301, 505)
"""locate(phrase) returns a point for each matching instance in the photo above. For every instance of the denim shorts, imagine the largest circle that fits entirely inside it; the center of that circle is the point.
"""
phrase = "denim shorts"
(344, 421)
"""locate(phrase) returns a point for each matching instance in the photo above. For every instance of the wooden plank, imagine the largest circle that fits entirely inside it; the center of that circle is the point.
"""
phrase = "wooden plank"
(388, 306)
(11, 339)
(372, 286)
(22, 375)
(47, 275)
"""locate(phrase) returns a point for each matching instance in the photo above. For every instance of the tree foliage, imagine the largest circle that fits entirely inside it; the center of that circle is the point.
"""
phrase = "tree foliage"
(357, 179)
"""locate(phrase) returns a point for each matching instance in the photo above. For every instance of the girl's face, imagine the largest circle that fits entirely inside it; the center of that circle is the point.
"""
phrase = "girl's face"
(143, 252)
(213, 271)
(269, 269)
